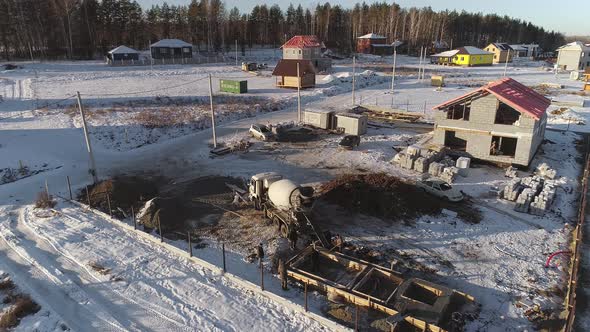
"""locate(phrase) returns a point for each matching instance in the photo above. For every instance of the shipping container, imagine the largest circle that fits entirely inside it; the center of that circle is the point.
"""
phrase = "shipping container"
(233, 86)
(323, 119)
(352, 124)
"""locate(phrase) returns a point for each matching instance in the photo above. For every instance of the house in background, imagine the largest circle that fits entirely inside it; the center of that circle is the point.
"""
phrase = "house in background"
(573, 56)
(372, 43)
(123, 53)
(171, 49)
(503, 121)
(286, 72)
(526, 50)
(464, 56)
(306, 48)
(502, 52)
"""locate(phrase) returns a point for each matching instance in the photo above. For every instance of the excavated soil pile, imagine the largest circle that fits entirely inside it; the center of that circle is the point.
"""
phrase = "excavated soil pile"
(123, 192)
(381, 196)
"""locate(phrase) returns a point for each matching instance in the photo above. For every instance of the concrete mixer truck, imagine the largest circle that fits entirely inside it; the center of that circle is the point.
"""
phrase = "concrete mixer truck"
(284, 202)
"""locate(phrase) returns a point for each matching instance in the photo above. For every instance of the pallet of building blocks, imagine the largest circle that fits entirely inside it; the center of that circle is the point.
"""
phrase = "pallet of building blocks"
(421, 165)
(524, 200)
(449, 174)
(435, 168)
(511, 172)
(545, 171)
(513, 189)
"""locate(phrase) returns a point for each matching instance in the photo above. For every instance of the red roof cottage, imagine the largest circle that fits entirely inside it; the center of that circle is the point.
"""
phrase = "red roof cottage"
(306, 47)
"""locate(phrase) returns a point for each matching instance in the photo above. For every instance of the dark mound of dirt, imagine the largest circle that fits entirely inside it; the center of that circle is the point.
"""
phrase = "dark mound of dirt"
(123, 192)
(381, 196)
(171, 213)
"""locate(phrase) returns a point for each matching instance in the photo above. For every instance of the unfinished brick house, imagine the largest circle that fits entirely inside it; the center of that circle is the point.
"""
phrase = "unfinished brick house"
(503, 121)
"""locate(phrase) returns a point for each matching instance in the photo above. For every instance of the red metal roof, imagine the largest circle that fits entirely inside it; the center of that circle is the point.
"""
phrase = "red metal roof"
(512, 93)
(303, 41)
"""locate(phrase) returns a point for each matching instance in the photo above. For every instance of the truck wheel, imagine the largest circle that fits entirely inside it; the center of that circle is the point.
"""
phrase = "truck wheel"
(284, 230)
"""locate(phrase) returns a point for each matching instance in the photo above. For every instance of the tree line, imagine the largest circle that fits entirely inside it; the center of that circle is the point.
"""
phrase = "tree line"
(84, 29)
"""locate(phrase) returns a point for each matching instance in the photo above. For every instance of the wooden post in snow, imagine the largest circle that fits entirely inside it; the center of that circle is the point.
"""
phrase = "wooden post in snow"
(133, 217)
(92, 169)
(46, 188)
(236, 52)
(506, 64)
(212, 112)
(420, 63)
(109, 204)
(160, 226)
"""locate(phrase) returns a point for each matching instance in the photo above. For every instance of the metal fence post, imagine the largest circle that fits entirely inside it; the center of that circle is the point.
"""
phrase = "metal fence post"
(190, 246)
(133, 217)
(223, 252)
(306, 307)
(160, 227)
(69, 186)
(261, 274)
(88, 196)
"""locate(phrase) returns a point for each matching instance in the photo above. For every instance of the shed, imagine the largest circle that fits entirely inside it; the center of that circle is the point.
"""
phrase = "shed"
(351, 123)
(286, 72)
(323, 119)
(171, 49)
(123, 53)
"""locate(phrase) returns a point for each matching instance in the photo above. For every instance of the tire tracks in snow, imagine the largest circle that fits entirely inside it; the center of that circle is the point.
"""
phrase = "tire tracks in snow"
(71, 292)
(123, 297)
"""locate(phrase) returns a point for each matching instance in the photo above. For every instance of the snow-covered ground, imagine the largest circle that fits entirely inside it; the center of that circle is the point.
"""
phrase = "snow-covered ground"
(148, 288)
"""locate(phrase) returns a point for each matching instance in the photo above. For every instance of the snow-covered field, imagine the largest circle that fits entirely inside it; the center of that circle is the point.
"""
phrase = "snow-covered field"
(147, 288)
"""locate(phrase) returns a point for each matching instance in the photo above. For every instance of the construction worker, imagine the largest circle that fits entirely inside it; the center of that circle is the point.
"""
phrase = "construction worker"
(338, 242)
(292, 237)
(283, 274)
(260, 252)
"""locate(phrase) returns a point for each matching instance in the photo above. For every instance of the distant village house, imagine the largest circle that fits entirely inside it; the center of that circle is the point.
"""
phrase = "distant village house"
(123, 53)
(502, 52)
(171, 49)
(306, 48)
(573, 56)
(464, 56)
(503, 121)
(372, 43)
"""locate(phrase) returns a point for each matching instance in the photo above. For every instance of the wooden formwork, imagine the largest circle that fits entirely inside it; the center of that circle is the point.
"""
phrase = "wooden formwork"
(367, 285)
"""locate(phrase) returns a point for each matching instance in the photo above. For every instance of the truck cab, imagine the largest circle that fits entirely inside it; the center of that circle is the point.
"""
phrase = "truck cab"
(259, 184)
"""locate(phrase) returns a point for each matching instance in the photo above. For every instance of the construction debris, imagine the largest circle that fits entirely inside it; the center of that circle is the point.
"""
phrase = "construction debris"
(511, 172)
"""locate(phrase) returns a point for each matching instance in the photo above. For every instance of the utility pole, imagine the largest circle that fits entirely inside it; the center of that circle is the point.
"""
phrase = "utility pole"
(92, 169)
(236, 52)
(393, 70)
(353, 77)
(212, 112)
(298, 95)
(506, 64)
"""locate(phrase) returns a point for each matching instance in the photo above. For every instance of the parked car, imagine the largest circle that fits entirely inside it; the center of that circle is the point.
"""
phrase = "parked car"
(441, 189)
(349, 142)
(261, 132)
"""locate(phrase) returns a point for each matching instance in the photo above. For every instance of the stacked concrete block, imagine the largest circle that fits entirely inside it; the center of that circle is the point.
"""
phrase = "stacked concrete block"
(406, 161)
(545, 171)
(435, 169)
(543, 201)
(513, 189)
(524, 200)
(421, 165)
(511, 172)
(449, 174)
(533, 182)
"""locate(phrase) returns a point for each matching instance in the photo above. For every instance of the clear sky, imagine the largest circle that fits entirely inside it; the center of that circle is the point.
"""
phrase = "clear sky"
(571, 17)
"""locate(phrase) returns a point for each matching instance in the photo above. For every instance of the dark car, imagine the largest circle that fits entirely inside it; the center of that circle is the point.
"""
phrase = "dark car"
(350, 141)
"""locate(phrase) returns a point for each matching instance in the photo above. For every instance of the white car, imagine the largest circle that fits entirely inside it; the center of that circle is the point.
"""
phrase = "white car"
(261, 132)
(441, 189)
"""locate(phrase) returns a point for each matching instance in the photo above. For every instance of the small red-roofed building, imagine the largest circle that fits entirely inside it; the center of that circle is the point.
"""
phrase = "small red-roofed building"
(503, 122)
